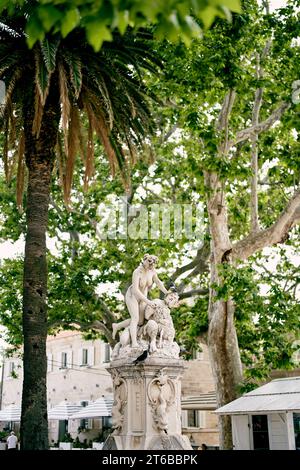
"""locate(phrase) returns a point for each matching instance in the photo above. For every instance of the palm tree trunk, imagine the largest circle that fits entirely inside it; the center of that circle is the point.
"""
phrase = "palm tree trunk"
(39, 154)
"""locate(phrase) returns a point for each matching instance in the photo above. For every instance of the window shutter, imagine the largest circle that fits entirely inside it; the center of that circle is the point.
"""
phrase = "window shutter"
(7, 370)
(69, 359)
(102, 352)
(91, 354)
(79, 357)
(201, 419)
(59, 360)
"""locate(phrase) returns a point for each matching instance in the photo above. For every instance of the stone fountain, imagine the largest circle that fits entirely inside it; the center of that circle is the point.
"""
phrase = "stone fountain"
(146, 370)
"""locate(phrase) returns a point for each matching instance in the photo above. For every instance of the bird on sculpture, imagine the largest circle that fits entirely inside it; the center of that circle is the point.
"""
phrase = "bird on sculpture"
(172, 286)
(142, 357)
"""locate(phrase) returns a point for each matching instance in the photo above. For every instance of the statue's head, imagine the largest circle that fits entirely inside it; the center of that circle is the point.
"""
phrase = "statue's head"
(149, 261)
(172, 299)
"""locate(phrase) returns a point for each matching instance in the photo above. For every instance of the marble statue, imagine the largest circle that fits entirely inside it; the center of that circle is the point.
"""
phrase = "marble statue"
(160, 321)
(136, 297)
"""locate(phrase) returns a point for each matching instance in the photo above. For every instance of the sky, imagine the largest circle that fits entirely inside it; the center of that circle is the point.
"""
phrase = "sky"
(10, 250)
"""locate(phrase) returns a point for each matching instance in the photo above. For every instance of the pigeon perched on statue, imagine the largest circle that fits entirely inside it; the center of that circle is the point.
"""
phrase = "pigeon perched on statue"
(142, 357)
(172, 286)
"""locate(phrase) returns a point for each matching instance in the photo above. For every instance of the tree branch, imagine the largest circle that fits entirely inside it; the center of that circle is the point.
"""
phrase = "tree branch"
(193, 292)
(254, 140)
(200, 258)
(223, 119)
(277, 233)
(107, 313)
(263, 126)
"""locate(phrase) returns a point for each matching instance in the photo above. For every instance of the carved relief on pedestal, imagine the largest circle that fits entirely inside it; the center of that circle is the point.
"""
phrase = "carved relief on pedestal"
(161, 394)
(120, 400)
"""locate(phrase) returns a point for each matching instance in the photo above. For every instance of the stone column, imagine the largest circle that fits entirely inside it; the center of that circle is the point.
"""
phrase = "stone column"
(147, 405)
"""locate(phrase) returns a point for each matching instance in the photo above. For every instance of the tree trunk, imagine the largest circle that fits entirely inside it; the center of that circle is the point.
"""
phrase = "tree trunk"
(222, 337)
(39, 154)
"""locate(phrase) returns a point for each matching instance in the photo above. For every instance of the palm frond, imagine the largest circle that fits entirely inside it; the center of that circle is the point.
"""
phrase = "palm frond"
(61, 161)
(73, 144)
(49, 51)
(42, 76)
(75, 67)
(65, 102)
(106, 99)
(8, 59)
(98, 122)
(38, 113)
(89, 163)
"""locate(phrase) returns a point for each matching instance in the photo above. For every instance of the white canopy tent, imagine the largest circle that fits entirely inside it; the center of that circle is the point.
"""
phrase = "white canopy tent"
(97, 409)
(63, 411)
(11, 413)
(268, 417)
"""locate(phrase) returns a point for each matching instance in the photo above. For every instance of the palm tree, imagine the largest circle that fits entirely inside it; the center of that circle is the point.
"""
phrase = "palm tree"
(50, 89)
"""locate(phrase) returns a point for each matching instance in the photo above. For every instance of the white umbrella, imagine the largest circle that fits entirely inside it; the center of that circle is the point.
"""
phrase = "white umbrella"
(100, 407)
(63, 411)
(11, 413)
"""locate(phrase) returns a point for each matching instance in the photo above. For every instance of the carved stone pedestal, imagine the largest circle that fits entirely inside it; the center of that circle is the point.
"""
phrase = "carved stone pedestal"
(146, 411)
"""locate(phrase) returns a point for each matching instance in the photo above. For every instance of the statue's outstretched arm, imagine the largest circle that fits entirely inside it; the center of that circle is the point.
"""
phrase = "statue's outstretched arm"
(159, 284)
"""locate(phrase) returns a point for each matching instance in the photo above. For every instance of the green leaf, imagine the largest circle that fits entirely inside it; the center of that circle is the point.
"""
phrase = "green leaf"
(208, 15)
(70, 21)
(233, 5)
(35, 31)
(97, 33)
(121, 21)
(49, 15)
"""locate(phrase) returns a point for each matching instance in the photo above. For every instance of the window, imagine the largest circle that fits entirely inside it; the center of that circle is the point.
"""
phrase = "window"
(260, 432)
(64, 360)
(197, 355)
(84, 424)
(11, 370)
(106, 421)
(84, 358)
(106, 352)
(296, 417)
(192, 419)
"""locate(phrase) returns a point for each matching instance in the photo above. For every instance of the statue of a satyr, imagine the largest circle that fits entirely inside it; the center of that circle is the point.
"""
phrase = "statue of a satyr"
(150, 326)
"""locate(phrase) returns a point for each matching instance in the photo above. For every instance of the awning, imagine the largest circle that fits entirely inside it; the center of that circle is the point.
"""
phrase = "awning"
(203, 401)
(11, 413)
(63, 411)
(280, 395)
(97, 409)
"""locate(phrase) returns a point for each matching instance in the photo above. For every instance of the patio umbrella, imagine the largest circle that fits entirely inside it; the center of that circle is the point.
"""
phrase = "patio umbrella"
(100, 407)
(11, 413)
(63, 411)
